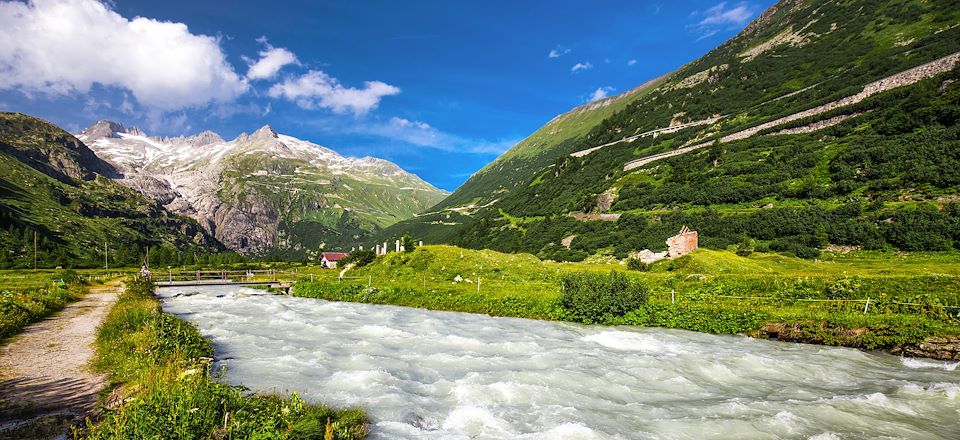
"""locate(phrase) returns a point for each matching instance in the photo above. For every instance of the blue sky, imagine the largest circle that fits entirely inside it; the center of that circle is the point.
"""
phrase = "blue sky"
(439, 87)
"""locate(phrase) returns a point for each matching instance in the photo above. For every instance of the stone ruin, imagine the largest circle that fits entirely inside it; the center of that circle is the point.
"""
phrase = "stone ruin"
(681, 244)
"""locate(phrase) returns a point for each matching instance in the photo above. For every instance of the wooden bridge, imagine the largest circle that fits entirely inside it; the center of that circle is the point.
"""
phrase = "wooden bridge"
(275, 279)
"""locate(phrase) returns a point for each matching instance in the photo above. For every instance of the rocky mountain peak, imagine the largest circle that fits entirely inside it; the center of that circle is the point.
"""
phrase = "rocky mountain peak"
(136, 131)
(206, 137)
(102, 129)
(266, 130)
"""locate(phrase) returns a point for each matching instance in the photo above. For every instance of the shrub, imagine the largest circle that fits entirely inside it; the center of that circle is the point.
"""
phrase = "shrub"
(360, 258)
(70, 276)
(637, 265)
(591, 298)
(408, 244)
(790, 246)
(844, 288)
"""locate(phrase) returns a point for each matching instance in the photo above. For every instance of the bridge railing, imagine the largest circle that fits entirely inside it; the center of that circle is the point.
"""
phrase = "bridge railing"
(200, 276)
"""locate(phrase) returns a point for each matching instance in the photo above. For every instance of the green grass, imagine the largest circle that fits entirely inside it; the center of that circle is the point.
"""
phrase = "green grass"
(160, 367)
(912, 296)
(30, 296)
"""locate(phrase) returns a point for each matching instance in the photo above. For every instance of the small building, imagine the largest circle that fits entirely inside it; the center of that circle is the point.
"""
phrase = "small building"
(329, 259)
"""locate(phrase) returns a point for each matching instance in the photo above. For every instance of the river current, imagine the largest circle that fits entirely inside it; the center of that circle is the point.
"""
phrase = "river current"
(443, 375)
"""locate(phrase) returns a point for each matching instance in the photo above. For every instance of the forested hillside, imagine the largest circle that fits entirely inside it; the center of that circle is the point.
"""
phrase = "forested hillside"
(791, 142)
(55, 192)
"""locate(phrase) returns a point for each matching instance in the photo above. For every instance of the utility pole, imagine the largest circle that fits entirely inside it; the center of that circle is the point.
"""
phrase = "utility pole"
(105, 264)
(34, 250)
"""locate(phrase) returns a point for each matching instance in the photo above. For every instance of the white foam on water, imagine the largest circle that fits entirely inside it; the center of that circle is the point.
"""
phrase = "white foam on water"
(629, 341)
(928, 363)
(473, 421)
(440, 375)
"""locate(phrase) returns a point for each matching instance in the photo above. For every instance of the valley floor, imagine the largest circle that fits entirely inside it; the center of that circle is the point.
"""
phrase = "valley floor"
(906, 304)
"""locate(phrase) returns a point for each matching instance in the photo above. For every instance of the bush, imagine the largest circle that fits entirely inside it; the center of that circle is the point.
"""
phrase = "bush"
(790, 246)
(70, 276)
(594, 298)
(360, 258)
(637, 265)
(844, 288)
(407, 243)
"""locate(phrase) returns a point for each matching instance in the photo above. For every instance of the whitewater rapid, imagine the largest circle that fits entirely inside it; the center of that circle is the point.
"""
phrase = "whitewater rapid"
(441, 375)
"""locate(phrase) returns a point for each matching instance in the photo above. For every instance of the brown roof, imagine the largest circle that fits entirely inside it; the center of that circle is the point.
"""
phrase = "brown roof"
(334, 256)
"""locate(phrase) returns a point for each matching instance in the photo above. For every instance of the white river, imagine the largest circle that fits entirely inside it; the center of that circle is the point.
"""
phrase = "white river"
(442, 375)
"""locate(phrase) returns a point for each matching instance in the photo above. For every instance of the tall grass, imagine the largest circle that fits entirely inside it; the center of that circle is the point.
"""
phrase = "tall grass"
(23, 303)
(165, 390)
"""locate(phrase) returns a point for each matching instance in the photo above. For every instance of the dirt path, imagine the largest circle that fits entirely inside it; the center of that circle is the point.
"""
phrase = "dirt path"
(45, 378)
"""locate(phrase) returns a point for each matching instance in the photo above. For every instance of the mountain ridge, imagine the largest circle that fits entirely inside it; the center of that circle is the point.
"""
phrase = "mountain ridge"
(58, 195)
(264, 191)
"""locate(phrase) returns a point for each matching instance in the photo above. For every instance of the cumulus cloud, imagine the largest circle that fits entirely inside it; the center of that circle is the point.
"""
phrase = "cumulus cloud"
(581, 66)
(631, 62)
(66, 46)
(558, 52)
(272, 59)
(315, 89)
(720, 17)
(600, 93)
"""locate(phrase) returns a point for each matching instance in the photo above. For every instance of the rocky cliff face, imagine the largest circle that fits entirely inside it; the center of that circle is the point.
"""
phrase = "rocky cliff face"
(264, 191)
(50, 150)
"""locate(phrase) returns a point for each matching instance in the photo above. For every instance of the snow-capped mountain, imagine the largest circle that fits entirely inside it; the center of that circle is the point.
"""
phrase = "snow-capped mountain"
(264, 191)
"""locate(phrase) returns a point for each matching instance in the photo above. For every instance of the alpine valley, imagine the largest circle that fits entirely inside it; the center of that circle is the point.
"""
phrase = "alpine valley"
(261, 194)
(822, 124)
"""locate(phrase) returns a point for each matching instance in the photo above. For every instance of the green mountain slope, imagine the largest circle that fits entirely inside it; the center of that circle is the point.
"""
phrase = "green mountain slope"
(800, 132)
(53, 186)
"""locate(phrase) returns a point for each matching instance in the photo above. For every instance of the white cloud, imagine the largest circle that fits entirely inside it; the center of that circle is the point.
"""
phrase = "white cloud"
(316, 89)
(558, 52)
(66, 46)
(272, 59)
(720, 17)
(600, 93)
(631, 62)
(422, 134)
(581, 66)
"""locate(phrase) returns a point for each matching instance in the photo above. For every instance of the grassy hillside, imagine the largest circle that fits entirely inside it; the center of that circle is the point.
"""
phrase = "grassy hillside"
(60, 195)
(556, 138)
(912, 296)
(883, 177)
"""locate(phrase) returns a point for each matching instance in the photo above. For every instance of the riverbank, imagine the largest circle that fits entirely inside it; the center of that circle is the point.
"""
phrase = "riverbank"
(163, 386)
(430, 375)
(913, 306)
